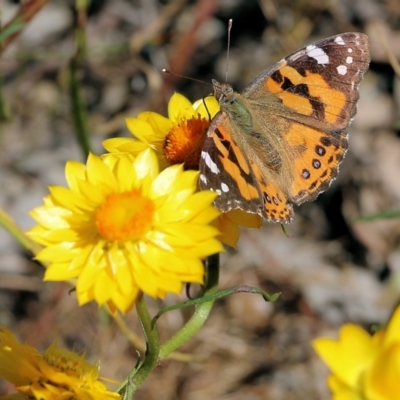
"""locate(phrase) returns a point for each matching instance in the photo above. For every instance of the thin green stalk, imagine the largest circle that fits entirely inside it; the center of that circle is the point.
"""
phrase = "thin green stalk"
(200, 314)
(78, 110)
(77, 102)
(80, 30)
(140, 373)
(4, 111)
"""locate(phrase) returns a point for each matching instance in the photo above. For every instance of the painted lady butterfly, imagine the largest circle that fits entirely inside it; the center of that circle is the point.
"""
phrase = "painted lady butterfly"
(281, 141)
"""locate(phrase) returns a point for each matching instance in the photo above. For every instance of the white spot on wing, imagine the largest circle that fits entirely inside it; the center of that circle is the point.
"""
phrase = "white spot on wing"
(210, 163)
(350, 50)
(339, 40)
(349, 60)
(317, 54)
(203, 179)
(342, 70)
(224, 187)
(218, 192)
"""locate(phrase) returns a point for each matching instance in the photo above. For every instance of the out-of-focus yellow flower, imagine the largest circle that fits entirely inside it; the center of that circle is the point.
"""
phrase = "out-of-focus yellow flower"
(122, 228)
(363, 367)
(176, 139)
(57, 374)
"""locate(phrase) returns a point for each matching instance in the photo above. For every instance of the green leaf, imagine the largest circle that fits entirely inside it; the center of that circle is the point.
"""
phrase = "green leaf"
(14, 27)
(216, 296)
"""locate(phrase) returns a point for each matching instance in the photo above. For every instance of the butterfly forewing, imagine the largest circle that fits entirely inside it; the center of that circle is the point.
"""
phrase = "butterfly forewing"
(224, 169)
(319, 82)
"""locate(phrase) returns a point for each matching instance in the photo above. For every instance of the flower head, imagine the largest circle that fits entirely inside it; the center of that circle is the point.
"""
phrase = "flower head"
(123, 228)
(176, 139)
(363, 367)
(57, 374)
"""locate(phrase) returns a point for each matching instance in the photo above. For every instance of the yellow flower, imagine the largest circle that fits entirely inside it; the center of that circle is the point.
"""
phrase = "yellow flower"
(57, 374)
(176, 139)
(123, 228)
(363, 367)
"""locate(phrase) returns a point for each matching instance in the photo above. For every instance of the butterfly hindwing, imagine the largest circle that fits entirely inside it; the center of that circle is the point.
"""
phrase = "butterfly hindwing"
(316, 161)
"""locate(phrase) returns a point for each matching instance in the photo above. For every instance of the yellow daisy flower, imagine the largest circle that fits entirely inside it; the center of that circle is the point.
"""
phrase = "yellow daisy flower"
(179, 139)
(176, 139)
(123, 228)
(57, 374)
(363, 367)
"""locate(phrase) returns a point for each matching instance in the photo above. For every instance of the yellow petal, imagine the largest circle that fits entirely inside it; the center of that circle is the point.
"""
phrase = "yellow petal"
(74, 170)
(340, 391)
(207, 107)
(179, 107)
(98, 173)
(124, 173)
(128, 145)
(160, 124)
(60, 272)
(382, 381)
(60, 252)
(229, 231)
(162, 183)
(245, 219)
(51, 217)
(142, 130)
(65, 197)
(104, 285)
(392, 334)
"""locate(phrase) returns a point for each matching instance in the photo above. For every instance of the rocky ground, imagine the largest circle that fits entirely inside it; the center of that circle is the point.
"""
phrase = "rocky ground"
(331, 268)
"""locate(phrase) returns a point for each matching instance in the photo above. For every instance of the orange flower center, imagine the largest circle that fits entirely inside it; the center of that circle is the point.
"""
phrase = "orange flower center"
(124, 216)
(184, 142)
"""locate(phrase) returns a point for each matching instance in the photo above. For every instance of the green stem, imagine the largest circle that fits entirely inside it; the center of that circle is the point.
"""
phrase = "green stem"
(4, 111)
(77, 102)
(80, 31)
(140, 373)
(78, 110)
(153, 352)
(201, 312)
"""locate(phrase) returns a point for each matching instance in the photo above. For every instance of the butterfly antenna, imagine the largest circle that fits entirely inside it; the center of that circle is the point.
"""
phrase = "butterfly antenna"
(227, 51)
(185, 77)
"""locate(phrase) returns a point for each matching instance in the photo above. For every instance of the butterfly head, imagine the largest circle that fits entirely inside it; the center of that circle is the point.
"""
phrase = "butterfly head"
(223, 93)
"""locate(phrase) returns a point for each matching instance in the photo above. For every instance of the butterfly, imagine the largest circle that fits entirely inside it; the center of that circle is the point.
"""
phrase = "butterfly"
(279, 143)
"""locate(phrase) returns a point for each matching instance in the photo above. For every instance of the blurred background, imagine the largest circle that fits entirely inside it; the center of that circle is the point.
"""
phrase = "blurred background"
(331, 268)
